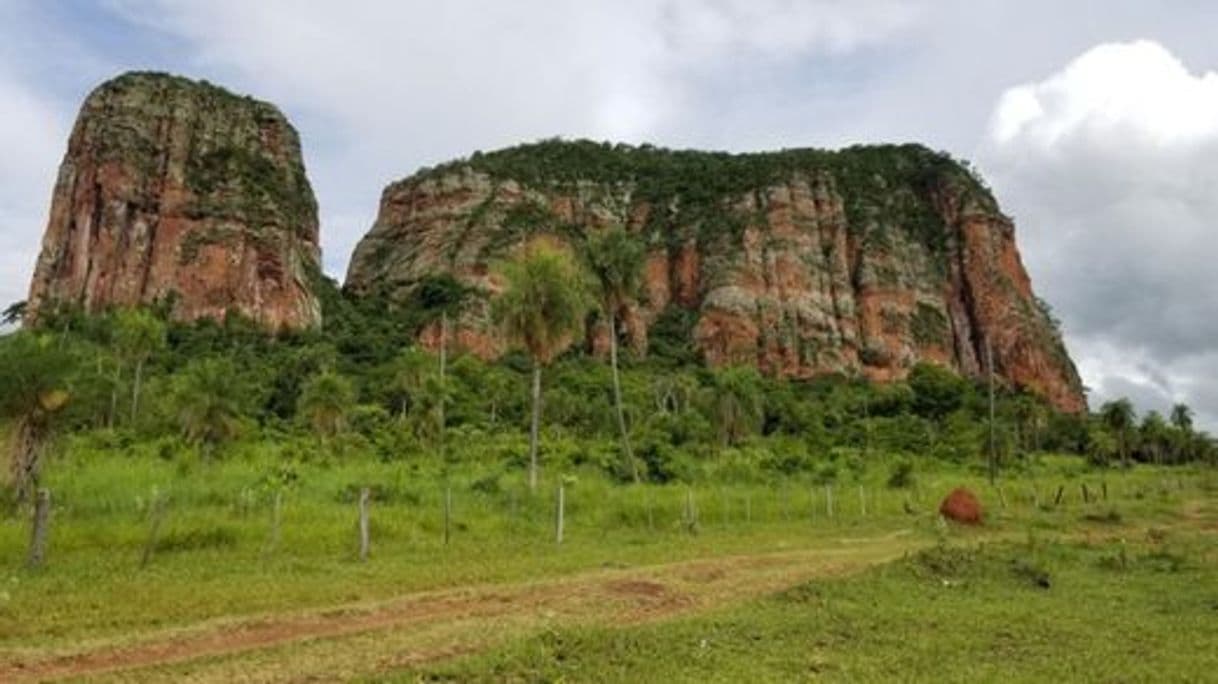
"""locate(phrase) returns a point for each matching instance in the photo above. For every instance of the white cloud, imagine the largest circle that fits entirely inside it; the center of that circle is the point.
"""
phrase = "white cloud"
(380, 89)
(1110, 166)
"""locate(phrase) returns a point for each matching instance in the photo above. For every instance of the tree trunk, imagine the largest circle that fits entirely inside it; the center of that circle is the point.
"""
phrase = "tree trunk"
(40, 530)
(443, 370)
(23, 466)
(533, 425)
(135, 389)
(617, 400)
(114, 398)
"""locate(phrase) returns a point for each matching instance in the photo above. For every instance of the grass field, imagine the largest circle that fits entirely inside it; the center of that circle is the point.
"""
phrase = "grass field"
(626, 594)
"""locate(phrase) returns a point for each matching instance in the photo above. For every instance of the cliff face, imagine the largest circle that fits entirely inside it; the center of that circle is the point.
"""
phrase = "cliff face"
(864, 261)
(175, 190)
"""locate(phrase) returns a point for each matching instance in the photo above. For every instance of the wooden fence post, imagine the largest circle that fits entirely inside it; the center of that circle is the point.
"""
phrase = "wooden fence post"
(651, 518)
(558, 522)
(691, 512)
(158, 515)
(272, 541)
(862, 502)
(41, 529)
(364, 541)
(448, 514)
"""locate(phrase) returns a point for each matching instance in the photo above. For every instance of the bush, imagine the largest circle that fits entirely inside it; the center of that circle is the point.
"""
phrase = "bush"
(901, 475)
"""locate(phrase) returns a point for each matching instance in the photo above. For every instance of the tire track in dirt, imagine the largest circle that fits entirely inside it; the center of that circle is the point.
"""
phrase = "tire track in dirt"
(615, 596)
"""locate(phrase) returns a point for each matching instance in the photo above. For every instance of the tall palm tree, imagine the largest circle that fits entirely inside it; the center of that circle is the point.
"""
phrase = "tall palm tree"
(1119, 416)
(540, 309)
(324, 403)
(34, 377)
(616, 261)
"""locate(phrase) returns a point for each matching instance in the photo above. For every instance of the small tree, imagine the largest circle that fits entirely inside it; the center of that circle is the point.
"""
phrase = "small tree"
(34, 376)
(541, 310)
(616, 261)
(738, 405)
(324, 403)
(1182, 420)
(139, 335)
(208, 401)
(1119, 416)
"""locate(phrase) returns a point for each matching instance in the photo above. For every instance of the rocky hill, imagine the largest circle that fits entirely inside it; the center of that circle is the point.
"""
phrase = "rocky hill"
(803, 262)
(180, 192)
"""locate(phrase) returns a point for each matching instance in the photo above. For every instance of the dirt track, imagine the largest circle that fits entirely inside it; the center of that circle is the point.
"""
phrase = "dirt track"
(348, 640)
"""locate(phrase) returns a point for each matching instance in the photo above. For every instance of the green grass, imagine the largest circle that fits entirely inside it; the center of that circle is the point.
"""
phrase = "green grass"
(211, 561)
(1107, 611)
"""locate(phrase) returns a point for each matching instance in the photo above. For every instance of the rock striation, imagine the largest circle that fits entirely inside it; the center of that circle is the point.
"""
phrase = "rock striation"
(181, 193)
(863, 261)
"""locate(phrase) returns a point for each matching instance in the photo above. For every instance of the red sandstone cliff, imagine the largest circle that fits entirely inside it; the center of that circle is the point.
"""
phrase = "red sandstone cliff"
(179, 190)
(802, 263)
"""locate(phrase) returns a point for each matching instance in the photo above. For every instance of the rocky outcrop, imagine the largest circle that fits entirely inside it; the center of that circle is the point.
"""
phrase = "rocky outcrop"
(179, 192)
(863, 261)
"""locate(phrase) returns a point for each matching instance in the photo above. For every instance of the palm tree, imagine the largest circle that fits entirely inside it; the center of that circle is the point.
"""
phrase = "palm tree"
(1154, 435)
(541, 309)
(1182, 419)
(324, 402)
(208, 402)
(1119, 416)
(34, 374)
(616, 261)
(139, 335)
(409, 374)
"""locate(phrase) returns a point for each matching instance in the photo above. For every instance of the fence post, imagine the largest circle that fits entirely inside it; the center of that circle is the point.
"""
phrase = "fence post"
(448, 514)
(862, 502)
(558, 523)
(272, 541)
(1057, 500)
(363, 524)
(1086, 494)
(829, 501)
(748, 509)
(158, 515)
(651, 519)
(38, 535)
(691, 513)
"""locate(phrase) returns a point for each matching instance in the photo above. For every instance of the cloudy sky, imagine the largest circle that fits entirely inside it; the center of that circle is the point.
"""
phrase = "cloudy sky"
(1095, 122)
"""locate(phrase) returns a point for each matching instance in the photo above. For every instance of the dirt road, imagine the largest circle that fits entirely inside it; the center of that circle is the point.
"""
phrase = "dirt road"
(350, 640)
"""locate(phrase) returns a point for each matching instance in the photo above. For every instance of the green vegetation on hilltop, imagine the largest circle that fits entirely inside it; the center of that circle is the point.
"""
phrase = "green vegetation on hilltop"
(883, 186)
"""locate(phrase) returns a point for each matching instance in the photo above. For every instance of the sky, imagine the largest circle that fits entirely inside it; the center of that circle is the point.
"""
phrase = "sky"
(1095, 122)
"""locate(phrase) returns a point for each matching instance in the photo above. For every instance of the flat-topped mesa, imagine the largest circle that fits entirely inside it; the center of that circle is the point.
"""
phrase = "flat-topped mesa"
(180, 192)
(803, 262)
